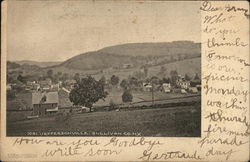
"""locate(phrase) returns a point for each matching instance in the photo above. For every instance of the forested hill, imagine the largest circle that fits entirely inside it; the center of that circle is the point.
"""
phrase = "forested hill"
(136, 54)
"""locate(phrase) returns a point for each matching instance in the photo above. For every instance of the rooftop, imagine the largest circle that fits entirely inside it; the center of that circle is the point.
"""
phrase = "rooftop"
(45, 98)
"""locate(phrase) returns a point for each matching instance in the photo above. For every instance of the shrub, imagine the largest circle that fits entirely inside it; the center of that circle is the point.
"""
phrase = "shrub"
(111, 105)
(127, 96)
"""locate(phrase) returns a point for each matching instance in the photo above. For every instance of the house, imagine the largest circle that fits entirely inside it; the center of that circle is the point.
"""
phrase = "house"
(45, 87)
(183, 91)
(69, 84)
(30, 83)
(55, 87)
(195, 82)
(69, 81)
(198, 87)
(45, 84)
(193, 90)
(166, 87)
(32, 86)
(45, 103)
(60, 83)
(147, 87)
(36, 87)
(182, 83)
(85, 109)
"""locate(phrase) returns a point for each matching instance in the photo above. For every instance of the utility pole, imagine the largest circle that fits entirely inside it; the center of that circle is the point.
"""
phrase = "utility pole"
(152, 94)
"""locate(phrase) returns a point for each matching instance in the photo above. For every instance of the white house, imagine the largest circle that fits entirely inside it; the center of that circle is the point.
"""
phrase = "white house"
(193, 89)
(184, 84)
(166, 87)
(147, 87)
(183, 91)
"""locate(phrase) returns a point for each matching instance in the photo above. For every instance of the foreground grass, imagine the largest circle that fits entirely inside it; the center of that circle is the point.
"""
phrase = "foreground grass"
(171, 122)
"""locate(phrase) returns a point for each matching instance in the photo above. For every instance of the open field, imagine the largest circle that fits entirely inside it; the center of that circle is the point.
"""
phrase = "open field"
(167, 122)
(146, 97)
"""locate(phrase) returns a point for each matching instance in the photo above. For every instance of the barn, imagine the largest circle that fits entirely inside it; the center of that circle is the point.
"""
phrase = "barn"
(44, 103)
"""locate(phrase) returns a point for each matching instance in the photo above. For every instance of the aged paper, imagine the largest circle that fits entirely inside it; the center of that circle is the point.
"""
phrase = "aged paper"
(155, 108)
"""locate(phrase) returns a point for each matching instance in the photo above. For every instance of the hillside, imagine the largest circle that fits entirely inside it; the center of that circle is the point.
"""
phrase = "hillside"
(183, 56)
(154, 49)
(25, 69)
(136, 54)
(187, 66)
(37, 63)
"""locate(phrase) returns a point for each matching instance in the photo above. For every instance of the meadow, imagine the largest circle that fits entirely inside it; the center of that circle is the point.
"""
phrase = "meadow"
(182, 121)
(141, 98)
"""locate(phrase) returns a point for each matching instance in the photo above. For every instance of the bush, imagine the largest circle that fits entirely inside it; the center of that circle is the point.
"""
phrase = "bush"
(11, 94)
(127, 97)
(111, 105)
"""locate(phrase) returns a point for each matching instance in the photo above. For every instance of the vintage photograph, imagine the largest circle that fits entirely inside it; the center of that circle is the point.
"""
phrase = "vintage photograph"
(103, 68)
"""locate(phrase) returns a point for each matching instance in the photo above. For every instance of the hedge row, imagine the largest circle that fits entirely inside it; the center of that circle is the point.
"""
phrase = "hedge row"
(165, 105)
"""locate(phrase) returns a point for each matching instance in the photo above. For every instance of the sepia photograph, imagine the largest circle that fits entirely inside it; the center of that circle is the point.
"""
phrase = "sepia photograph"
(103, 68)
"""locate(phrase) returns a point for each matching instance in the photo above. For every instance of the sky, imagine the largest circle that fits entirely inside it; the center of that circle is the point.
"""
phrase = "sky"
(58, 30)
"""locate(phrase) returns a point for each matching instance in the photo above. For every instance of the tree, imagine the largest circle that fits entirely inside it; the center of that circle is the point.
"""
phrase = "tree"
(87, 91)
(56, 78)
(166, 80)
(11, 94)
(77, 77)
(139, 74)
(155, 80)
(124, 84)
(174, 76)
(21, 78)
(133, 82)
(103, 80)
(145, 69)
(65, 76)
(111, 104)
(196, 77)
(10, 79)
(187, 77)
(127, 96)
(12, 65)
(114, 80)
(162, 70)
(59, 73)
(50, 73)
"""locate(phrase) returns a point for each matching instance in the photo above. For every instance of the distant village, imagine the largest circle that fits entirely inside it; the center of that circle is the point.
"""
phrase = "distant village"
(46, 96)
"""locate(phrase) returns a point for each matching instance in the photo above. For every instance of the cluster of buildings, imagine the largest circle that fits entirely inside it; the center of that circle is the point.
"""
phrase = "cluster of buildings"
(45, 97)
(186, 85)
(42, 85)
(181, 83)
(42, 103)
(42, 97)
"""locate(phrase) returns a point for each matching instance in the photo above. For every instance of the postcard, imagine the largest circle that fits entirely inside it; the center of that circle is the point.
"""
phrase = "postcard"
(125, 80)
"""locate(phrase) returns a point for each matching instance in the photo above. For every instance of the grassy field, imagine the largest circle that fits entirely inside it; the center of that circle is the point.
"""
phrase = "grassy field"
(116, 96)
(166, 122)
